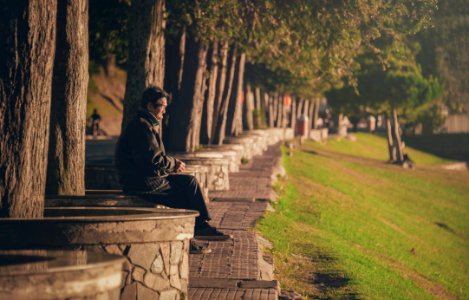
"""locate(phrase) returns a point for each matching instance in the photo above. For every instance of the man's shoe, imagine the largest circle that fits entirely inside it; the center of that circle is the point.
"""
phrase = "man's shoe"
(209, 233)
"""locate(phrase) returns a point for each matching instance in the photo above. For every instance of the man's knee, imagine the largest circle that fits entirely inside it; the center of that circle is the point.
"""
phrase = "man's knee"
(184, 180)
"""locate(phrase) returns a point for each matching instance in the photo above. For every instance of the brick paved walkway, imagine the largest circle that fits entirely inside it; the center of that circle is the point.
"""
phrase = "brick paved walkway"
(231, 270)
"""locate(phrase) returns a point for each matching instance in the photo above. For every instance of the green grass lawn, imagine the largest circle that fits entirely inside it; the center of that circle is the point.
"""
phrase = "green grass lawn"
(347, 226)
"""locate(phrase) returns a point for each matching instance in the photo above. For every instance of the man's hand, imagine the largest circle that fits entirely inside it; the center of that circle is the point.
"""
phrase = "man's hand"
(180, 166)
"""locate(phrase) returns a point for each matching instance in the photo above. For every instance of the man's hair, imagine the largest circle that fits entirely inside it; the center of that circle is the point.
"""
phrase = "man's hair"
(152, 94)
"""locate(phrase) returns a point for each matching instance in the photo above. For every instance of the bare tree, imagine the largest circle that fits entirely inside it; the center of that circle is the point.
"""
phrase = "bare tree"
(66, 167)
(27, 49)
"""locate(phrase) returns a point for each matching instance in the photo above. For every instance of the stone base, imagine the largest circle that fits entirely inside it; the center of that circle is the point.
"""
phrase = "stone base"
(154, 243)
(44, 274)
(218, 170)
(106, 177)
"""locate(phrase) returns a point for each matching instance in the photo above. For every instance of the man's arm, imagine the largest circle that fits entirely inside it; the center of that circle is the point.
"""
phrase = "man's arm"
(148, 155)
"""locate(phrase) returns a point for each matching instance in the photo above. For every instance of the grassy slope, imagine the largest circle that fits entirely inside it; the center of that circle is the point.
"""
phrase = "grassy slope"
(347, 226)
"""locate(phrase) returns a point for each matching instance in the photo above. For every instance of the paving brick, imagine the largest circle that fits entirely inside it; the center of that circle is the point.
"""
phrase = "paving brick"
(231, 270)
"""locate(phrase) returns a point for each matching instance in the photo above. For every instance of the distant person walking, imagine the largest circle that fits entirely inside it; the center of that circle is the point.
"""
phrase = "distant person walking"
(145, 169)
(95, 120)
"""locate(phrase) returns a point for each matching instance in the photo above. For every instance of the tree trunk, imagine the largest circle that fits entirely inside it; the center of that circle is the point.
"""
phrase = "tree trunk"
(306, 107)
(279, 111)
(248, 108)
(145, 66)
(186, 112)
(219, 135)
(389, 135)
(258, 100)
(310, 116)
(220, 88)
(293, 115)
(275, 110)
(235, 122)
(66, 168)
(316, 113)
(27, 47)
(175, 48)
(271, 106)
(397, 137)
(299, 109)
(207, 118)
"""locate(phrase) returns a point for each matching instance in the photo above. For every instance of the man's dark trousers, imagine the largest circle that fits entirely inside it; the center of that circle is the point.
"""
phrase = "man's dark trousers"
(183, 192)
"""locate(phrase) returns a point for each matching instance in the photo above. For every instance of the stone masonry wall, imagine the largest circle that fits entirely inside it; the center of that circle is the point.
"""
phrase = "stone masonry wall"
(152, 270)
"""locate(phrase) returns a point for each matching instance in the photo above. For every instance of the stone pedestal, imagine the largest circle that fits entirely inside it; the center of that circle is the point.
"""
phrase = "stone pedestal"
(100, 200)
(324, 134)
(201, 173)
(236, 148)
(47, 274)
(98, 177)
(315, 135)
(230, 156)
(218, 169)
(247, 144)
(155, 243)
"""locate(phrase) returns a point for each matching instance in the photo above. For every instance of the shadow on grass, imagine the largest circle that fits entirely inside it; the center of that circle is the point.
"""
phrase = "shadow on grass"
(445, 227)
(327, 280)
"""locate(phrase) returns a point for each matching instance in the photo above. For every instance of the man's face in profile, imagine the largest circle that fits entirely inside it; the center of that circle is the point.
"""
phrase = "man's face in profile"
(159, 109)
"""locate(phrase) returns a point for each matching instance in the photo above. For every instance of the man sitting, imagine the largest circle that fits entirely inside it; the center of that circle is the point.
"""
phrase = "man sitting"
(145, 169)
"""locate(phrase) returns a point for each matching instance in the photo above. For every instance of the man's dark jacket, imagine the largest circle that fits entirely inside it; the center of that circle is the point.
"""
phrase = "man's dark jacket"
(141, 159)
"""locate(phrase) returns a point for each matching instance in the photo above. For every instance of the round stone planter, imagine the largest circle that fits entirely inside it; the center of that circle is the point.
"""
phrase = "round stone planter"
(201, 173)
(237, 148)
(259, 141)
(315, 135)
(48, 274)
(324, 134)
(246, 143)
(99, 177)
(231, 155)
(155, 243)
(100, 200)
(218, 169)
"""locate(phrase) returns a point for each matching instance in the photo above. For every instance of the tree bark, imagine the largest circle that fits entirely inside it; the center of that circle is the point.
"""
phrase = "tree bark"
(66, 167)
(27, 50)
(145, 66)
(175, 48)
(299, 109)
(186, 112)
(271, 110)
(220, 89)
(310, 116)
(235, 121)
(316, 112)
(219, 135)
(389, 135)
(293, 115)
(280, 111)
(275, 110)
(258, 105)
(207, 118)
(397, 137)
(248, 108)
